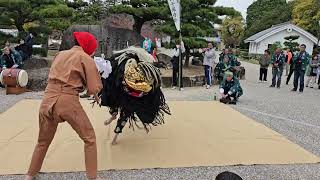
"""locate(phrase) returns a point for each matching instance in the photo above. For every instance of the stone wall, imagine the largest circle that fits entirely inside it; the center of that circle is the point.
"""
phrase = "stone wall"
(38, 71)
(109, 38)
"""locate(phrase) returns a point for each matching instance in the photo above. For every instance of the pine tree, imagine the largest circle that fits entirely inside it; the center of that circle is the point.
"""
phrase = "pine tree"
(143, 11)
(18, 13)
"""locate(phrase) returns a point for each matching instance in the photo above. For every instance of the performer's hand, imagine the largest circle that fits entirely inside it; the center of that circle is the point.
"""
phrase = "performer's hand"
(96, 100)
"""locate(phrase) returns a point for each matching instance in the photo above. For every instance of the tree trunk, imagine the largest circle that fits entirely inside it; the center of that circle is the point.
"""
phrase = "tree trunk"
(186, 63)
(138, 23)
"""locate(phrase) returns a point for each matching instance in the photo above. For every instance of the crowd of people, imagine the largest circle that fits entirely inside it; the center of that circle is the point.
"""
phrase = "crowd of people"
(297, 63)
(14, 57)
(225, 69)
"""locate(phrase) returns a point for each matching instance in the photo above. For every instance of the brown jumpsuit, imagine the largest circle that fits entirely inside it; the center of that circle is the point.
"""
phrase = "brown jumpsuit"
(72, 71)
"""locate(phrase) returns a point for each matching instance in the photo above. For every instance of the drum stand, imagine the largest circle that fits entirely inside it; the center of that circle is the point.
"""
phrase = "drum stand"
(15, 90)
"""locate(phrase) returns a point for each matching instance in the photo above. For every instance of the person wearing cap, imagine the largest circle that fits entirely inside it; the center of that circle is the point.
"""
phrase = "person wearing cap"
(230, 88)
(72, 72)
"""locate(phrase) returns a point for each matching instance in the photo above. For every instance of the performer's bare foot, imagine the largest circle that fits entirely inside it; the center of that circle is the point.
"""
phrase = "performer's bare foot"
(28, 177)
(114, 141)
(113, 117)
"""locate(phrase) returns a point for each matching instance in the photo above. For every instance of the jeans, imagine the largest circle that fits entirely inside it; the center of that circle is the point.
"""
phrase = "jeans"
(263, 74)
(208, 74)
(298, 74)
(276, 76)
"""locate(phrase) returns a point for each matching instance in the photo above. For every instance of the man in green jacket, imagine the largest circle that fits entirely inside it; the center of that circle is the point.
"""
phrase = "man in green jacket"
(300, 61)
(277, 62)
(230, 88)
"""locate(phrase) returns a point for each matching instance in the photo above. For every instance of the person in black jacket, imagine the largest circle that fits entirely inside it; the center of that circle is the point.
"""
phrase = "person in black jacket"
(24, 50)
(175, 65)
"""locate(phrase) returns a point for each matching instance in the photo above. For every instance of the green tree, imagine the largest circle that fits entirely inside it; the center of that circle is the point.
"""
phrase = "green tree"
(289, 43)
(87, 12)
(306, 14)
(232, 31)
(143, 11)
(196, 23)
(46, 12)
(262, 14)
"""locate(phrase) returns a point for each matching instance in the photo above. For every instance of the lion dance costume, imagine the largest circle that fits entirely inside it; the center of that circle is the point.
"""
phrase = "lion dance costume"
(133, 90)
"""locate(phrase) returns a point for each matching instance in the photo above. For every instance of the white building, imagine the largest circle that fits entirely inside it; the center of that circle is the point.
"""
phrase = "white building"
(264, 39)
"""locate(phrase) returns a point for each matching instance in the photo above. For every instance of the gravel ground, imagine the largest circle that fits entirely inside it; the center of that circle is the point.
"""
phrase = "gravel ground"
(294, 115)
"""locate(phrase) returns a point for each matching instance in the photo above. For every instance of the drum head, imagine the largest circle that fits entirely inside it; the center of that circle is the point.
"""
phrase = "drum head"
(1, 78)
(23, 78)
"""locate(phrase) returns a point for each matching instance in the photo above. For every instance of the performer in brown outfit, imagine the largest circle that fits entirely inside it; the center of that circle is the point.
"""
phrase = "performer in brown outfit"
(72, 72)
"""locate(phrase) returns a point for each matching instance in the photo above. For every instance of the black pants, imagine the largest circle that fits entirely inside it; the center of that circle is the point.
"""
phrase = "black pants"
(263, 74)
(290, 74)
(276, 76)
(298, 75)
(175, 75)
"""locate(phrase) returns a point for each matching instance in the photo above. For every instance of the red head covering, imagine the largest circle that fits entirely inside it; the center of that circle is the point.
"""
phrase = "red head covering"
(87, 41)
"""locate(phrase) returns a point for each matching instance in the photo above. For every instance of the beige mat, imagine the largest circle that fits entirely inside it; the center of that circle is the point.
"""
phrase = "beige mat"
(197, 134)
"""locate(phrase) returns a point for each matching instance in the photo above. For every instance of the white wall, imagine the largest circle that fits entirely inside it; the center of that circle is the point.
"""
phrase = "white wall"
(259, 48)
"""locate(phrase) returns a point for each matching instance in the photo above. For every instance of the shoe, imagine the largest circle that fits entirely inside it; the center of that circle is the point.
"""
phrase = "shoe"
(181, 89)
(208, 86)
(311, 87)
(272, 86)
(278, 87)
(300, 91)
(294, 89)
(174, 87)
(234, 102)
(306, 85)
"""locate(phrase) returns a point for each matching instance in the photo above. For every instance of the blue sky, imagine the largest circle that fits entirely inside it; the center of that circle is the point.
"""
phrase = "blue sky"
(239, 5)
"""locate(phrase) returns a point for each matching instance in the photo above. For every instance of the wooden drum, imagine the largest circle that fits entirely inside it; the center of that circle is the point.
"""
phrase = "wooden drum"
(14, 77)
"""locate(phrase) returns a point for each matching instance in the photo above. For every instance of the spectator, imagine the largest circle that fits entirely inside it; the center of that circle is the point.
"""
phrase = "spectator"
(209, 63)
(277, 61)
(29, 41)
(24, 50)
(158, 42)
(301, 61)
(234, 63)
(230, 88)
(10, 59)
(286, 53)
(290, 63)
(175, 64)
(264, 65)
(221, 68)
(147, 44)
(223, 54)
(312, 74)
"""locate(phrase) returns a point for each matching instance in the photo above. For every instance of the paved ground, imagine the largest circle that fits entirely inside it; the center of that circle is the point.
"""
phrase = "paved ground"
(294, 115)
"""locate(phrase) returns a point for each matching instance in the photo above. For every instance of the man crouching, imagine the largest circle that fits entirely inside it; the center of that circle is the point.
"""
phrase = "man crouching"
(230, 88)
